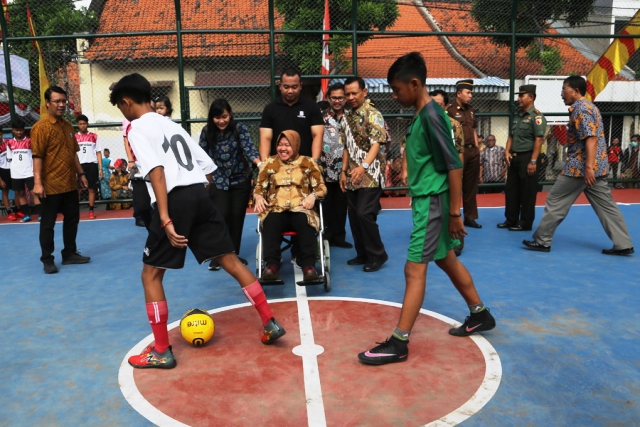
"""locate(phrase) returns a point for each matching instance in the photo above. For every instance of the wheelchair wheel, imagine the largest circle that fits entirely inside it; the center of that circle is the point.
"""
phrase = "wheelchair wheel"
(327, 257)
(258, 266)
(327, 281)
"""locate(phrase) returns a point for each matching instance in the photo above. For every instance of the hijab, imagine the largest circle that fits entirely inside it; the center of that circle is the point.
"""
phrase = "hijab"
(294, 140)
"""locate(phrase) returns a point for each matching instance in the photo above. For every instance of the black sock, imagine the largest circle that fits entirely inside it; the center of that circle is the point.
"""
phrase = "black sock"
(91, 208)
(25, 209)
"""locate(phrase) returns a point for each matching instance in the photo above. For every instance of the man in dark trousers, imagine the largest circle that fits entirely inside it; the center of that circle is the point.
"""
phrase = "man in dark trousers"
(523, 149)
(362, 176)
(56, 172)
(463, 112)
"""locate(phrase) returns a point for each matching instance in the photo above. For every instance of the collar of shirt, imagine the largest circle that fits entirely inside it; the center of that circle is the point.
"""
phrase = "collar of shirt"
(54, 120)
(462, 107)
(576, 104)
(281, 101)
(362, 110)
(529, 112)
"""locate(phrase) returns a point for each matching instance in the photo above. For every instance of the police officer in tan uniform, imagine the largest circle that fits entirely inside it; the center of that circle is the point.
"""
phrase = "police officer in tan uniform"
(464, 113)
(523, 149)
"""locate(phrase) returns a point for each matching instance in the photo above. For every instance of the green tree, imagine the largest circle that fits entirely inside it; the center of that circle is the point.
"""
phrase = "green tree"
(532, 16)
(306, 50)
(50, 18)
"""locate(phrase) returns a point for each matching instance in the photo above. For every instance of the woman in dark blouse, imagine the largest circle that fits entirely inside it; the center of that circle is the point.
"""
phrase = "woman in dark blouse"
(230, 146)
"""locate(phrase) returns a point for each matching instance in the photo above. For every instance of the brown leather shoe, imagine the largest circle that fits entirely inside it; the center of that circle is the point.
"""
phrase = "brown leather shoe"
(309, 274)
(271, 272)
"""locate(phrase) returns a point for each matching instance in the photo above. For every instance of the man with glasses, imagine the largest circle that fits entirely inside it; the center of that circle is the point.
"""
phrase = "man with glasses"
(586, 171)
(523, 149)
(56, 172)
(335, 201)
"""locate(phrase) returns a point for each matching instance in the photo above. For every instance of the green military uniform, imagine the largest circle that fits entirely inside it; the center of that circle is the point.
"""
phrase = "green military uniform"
(521, 188)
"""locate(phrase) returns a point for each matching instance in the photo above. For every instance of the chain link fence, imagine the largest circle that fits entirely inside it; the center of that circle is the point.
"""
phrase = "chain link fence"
(195, 51)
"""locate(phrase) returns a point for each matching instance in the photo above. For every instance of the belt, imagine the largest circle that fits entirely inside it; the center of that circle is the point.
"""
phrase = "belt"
(469, 146)
(521, 153)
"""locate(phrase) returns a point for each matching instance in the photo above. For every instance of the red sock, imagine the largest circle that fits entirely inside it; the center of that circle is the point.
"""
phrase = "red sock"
(158, 314)
(256, 296)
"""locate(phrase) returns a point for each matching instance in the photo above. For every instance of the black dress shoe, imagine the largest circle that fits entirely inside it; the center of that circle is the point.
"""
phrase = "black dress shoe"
(50, 268)
(505, 225)
(519, 228)
(76, 258)
(357, 261)
(535, 246)
(614, 251)
(472, 223)
(342, 244)
(375, 265)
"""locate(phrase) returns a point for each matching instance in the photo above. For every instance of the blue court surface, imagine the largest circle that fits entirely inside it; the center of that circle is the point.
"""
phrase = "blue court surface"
(568, 333)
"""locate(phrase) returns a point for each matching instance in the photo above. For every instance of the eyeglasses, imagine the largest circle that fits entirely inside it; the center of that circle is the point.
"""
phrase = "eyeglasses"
(336, 98)
(60, 101)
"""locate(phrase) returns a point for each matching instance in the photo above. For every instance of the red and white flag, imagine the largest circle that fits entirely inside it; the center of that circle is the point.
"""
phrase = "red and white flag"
(324, 70)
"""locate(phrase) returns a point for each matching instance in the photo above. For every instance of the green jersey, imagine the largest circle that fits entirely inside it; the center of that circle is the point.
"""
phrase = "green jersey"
(431, 151)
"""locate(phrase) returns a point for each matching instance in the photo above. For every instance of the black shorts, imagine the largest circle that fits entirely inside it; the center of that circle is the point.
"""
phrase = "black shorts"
(5, 174)
(194, 216)
(18, 183)
(91, 173)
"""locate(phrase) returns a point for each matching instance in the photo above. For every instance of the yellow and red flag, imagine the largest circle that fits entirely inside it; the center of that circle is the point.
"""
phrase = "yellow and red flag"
(5, 8)
(44, 80)
(614, 59)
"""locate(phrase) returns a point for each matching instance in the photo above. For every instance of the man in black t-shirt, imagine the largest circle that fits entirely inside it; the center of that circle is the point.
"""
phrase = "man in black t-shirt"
(291, 112)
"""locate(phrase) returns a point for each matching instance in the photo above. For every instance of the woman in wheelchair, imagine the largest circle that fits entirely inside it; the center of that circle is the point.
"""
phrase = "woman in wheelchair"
(285, 194)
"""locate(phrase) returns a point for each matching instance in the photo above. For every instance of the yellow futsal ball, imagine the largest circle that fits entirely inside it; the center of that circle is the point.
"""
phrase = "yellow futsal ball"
(196, 326)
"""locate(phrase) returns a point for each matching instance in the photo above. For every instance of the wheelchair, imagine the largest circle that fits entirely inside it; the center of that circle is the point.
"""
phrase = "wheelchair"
(322, 256)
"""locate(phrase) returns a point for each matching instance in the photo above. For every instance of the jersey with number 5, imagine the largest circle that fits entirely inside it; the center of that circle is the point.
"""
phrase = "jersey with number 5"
(161, 142)
(20, 155)
(89, 147)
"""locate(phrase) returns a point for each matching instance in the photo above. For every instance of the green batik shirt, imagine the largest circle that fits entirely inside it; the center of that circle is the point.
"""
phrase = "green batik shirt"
(363, 128)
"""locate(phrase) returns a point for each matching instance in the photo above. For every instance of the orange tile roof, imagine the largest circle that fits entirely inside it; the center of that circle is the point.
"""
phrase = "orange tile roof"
(376, 55)
(146, 15)
(492, 59)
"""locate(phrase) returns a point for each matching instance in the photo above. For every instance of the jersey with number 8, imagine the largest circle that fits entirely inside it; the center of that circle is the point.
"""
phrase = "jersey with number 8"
(161, 142)
(20, 155)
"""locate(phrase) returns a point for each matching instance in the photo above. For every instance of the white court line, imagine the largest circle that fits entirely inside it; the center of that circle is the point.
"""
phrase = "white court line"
(309, 352)
(488, 388)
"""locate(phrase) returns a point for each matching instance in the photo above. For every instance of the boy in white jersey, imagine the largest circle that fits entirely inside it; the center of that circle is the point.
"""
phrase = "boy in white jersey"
(20, 158)
(176, 170)
(90, 157)
(5, 180)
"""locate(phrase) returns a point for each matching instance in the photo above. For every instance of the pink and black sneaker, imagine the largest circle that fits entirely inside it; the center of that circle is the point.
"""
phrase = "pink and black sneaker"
(476, 322)
(391, 351)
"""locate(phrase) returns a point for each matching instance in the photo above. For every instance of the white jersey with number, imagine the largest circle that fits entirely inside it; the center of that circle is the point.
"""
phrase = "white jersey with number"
(161, 142)
(20, 156)
(89, 147)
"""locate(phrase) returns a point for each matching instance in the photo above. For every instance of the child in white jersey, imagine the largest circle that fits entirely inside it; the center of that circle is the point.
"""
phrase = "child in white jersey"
(177, 169)
(20, 158)
(90, 157)
(5, 180)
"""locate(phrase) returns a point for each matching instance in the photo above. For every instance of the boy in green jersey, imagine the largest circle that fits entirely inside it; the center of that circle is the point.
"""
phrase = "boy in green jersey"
(434, 176)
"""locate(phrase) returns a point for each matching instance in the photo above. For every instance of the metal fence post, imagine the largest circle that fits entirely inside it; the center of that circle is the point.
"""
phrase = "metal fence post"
(354, 37)
(272, 49)
(512, 66)
(182, 93)
(7, 67)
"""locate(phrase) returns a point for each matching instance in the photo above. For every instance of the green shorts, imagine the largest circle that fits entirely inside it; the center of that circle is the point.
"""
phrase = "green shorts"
(430, 239)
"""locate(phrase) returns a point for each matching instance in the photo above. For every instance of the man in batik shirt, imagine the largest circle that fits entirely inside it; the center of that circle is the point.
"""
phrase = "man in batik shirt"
(363, 174)
(335, 201)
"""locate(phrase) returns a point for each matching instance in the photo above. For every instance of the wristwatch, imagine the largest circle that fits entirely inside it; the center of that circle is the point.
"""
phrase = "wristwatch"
(533, 162)
(365, 165)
